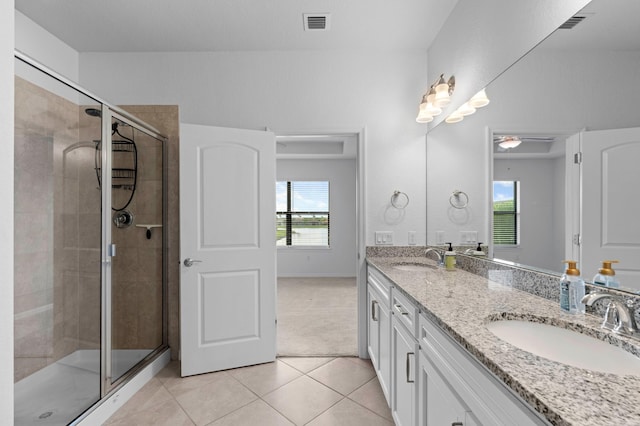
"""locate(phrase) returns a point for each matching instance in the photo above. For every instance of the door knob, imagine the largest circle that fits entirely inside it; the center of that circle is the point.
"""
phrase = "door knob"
(188, 262)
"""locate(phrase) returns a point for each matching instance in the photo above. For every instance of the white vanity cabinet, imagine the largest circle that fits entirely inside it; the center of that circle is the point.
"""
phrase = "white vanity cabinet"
(379, 327)
(455, 389)
(404, 360)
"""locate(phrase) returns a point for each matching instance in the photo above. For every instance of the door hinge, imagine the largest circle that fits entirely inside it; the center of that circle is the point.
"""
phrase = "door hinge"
(576, 239)
(577, 158)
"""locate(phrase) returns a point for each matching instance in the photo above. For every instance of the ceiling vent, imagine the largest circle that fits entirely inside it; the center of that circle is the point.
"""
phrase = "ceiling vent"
(317, 21)
(572, 22)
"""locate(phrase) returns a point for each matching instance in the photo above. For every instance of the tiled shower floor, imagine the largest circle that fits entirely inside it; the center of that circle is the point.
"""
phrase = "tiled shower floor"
(60, 392)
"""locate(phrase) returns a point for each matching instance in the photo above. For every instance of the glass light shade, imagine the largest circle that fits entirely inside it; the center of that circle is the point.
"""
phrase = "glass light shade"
(442, 95)
(454, 117)
(479, 99)
(466, 109)
(423, 117)
(431, 96)
(510, 143)
(433, 110)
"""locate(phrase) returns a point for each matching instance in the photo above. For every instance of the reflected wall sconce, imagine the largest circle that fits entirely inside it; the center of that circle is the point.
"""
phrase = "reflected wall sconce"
(478, 100)
(437, 97)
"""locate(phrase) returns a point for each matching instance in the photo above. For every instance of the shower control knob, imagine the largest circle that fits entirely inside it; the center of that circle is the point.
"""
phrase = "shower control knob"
(188, 262)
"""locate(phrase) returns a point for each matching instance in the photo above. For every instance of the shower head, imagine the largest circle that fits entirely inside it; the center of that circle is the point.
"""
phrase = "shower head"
(94, 112)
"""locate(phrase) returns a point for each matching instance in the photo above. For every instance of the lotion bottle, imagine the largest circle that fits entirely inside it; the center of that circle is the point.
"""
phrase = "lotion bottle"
(606, 276)
(450, 259)
(572, 289)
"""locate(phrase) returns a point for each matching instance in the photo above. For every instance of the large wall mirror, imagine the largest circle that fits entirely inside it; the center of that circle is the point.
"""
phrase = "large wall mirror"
(578, 86)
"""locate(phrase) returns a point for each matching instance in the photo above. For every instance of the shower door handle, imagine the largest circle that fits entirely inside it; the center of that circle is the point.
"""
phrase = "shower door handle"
(188, 262)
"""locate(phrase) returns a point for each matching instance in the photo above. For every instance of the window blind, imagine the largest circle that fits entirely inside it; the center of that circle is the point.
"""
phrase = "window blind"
(302, 216)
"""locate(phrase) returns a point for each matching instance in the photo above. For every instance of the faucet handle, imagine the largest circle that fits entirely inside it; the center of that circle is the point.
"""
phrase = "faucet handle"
(619, 317)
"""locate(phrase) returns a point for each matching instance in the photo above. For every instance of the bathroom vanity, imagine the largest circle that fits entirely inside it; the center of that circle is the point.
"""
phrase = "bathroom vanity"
(439, 364)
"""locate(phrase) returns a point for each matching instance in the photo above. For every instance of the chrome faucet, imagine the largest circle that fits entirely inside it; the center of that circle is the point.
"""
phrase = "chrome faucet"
(618, 316)
(432, 250)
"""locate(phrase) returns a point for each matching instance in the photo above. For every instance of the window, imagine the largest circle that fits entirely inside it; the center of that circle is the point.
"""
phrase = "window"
(302, 213)
(506, 212)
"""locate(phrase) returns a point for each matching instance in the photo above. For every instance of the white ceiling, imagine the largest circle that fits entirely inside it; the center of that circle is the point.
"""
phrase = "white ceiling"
(237, 25)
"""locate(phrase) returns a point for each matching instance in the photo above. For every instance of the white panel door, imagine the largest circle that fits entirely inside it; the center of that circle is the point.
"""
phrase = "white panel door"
(610, 203)
(227, 244)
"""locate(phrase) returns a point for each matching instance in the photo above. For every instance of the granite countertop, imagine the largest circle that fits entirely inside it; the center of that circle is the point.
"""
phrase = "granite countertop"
(462, 303)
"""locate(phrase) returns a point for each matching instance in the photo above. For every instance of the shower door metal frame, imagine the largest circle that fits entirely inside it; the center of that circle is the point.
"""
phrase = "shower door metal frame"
(108, 112)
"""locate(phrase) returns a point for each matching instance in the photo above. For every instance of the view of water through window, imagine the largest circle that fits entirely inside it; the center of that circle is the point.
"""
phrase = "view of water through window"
(302, 213)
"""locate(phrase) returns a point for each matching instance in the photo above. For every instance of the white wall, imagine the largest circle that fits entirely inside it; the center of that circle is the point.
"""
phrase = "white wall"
(6, 214)
(294, 91)
(541, 187)
(340, 259)
(483, 38)
(35, 42)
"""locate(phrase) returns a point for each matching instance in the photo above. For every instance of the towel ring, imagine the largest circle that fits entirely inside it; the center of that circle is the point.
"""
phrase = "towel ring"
(399, 199)
(455, 201)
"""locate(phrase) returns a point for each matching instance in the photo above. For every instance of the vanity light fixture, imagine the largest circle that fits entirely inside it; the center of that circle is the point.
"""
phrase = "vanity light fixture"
(437, 97)
(477, 101)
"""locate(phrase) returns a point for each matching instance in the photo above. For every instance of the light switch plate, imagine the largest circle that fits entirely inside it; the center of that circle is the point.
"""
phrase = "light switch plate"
(468, 237)
(384, 238)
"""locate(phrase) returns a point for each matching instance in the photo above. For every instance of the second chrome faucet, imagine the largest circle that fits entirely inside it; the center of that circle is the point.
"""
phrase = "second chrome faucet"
(618, 317)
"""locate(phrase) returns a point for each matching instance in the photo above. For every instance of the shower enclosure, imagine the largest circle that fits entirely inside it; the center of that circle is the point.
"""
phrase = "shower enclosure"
(90, 269)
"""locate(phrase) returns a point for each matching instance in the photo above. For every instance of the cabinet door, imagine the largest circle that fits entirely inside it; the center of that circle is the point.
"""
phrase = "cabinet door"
(403, 377)
(438, 403)
(384, 353)
(373, 329)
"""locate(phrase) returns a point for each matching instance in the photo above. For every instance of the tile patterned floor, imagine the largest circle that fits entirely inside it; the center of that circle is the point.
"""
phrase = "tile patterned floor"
(321, 391)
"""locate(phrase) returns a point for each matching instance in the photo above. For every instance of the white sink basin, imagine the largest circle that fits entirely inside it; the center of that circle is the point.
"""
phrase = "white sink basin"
(413, 267)
(567, 347)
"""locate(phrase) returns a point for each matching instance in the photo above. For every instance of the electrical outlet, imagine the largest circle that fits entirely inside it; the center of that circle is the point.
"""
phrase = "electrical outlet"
(384, 238)
(439, 238)
(412, 238)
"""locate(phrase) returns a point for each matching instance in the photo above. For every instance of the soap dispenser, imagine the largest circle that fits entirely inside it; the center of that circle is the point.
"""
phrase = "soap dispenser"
(450, 259)
(478, 251)
(606, 276)
(572, 289)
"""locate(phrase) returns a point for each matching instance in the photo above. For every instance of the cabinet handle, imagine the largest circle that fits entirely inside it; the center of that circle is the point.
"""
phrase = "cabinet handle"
(409, 380)
(400, 309)
(457, 424)
(374, 303)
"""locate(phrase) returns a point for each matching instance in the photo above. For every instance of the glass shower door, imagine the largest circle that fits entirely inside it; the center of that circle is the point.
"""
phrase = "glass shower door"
(136, 231)
(57, 288)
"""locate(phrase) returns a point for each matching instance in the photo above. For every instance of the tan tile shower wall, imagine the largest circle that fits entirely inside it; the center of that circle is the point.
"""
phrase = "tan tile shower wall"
(56, 265)
(165, 118)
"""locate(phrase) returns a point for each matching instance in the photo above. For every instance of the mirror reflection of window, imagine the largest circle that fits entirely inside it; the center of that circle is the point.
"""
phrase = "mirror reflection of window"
(506, 213)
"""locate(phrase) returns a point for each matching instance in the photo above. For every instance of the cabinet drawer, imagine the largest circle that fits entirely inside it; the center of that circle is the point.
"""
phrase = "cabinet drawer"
(381, 284)
(405, 311)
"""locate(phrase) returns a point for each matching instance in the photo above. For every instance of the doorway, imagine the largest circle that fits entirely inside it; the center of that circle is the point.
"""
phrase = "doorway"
(317, 278)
